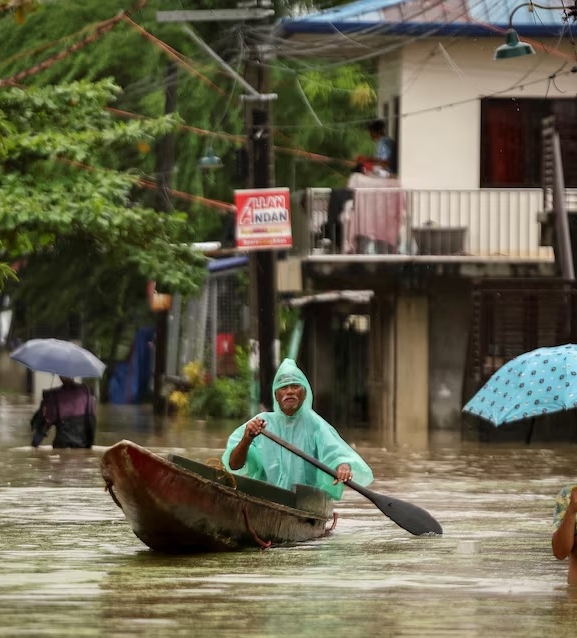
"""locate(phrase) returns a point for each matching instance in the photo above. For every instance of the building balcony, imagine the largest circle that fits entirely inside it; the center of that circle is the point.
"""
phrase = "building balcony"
(394, 223)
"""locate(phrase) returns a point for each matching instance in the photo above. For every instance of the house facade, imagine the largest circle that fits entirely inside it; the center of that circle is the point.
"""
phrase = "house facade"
(448, 309)
(467, 121)
(461, 118)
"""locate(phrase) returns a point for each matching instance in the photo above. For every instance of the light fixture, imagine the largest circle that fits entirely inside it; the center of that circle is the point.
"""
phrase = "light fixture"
(210, 161)
(513, 47)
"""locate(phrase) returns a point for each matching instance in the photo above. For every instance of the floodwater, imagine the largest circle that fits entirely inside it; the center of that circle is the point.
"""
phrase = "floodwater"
(71, 566)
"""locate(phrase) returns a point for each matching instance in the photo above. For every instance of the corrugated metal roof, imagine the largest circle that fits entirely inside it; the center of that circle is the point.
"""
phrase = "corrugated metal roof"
(361, 11)
(413, 17)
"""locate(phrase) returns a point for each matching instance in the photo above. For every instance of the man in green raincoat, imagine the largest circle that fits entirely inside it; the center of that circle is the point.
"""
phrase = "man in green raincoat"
(294, 420)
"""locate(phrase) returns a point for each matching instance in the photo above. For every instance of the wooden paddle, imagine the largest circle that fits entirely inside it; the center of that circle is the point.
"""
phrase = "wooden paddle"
(414, 519)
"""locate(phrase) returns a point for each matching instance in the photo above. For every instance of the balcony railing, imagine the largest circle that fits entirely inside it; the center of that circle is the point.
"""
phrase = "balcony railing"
(481, 223)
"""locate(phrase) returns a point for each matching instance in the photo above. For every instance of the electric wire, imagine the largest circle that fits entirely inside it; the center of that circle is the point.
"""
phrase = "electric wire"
(336, 125)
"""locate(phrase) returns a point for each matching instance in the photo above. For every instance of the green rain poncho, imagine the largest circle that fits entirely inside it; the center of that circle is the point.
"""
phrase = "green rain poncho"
(306, 430)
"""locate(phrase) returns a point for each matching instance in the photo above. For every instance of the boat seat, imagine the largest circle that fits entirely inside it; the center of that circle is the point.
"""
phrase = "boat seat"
(312, 499)
(253, 487)
(206, 471)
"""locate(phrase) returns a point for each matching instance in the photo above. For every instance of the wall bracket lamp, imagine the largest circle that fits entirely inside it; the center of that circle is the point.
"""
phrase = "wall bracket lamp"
(513, 47)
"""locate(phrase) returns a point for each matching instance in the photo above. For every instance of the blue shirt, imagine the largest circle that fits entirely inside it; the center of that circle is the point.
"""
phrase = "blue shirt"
(384, 148)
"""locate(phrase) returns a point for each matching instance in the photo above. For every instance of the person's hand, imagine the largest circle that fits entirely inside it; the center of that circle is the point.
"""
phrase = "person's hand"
(254, 427)
(344, 473)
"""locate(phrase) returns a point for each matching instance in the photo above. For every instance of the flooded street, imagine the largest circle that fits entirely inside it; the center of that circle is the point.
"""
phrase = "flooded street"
(71, 566)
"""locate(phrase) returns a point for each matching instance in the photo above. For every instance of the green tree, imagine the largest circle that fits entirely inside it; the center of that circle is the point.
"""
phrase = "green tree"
(73, 222)
(6, 274)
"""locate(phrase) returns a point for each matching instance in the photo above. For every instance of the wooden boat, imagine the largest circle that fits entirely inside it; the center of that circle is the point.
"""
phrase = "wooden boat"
(179, 505)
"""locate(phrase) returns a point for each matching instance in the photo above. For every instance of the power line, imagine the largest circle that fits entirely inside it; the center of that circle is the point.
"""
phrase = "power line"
(104, 27)
(151, 185)
(186, 67)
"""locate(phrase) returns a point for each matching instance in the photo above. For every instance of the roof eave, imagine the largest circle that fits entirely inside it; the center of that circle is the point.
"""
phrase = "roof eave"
(289, 28)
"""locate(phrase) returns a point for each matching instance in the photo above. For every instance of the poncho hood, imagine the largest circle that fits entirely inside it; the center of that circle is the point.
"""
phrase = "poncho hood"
(289, 373)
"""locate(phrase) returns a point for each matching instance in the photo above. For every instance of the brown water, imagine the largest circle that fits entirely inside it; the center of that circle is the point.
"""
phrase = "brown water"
(71, 566)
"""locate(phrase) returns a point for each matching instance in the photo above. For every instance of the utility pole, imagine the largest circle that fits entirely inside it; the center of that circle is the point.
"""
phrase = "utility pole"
(164, 168)
(262, 263)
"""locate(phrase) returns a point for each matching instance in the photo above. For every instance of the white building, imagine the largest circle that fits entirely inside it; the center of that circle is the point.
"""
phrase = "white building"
(469, 129)
(461, 118)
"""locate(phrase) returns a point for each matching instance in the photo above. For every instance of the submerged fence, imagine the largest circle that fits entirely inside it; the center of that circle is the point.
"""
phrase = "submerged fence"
(208, 327)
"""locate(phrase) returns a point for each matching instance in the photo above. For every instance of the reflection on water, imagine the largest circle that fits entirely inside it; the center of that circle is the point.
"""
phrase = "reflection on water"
(71, 566)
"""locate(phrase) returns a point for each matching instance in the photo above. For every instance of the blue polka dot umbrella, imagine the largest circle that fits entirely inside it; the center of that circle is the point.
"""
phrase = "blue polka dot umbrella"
(533, 384)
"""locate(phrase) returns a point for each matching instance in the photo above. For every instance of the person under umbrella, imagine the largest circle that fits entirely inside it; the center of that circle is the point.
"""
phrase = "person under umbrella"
(530, 387)
(70, 408)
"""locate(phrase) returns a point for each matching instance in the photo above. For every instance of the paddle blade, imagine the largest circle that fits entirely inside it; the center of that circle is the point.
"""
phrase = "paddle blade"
(414, 519)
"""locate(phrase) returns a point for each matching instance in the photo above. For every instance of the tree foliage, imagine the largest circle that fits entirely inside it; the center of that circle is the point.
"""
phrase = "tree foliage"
(72, 223)
(137, 57)
(19, 8)
(6, 274)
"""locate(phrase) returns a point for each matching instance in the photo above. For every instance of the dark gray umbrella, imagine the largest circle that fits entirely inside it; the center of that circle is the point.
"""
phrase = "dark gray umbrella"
(60, 357)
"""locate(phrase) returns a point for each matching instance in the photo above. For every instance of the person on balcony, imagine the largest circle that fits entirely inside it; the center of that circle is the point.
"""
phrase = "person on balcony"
(294, 420)
(564, 521)
(384, 161)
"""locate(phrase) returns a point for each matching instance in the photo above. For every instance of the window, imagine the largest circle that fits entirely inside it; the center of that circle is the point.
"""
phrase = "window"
(511, 140)
(386, 116)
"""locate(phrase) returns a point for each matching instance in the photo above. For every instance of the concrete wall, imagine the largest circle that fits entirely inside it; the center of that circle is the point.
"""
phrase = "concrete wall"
(449, 328)
(399, 368)
(381, 386)
(412, 370)
(13, 376)
(16, 378)
(390, 87)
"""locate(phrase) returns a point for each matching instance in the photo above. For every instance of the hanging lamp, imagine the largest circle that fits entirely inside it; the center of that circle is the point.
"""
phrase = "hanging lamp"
(513, 47)
(210, 161)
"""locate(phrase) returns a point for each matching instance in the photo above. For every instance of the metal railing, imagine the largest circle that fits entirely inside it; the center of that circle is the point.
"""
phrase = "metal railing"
(478, 222)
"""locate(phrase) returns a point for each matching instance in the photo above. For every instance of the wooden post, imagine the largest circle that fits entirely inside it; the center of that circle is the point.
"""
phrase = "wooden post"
(165, 165)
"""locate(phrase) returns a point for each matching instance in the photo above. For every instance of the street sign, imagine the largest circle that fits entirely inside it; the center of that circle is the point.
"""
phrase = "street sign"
(206, 15)
(263, 218)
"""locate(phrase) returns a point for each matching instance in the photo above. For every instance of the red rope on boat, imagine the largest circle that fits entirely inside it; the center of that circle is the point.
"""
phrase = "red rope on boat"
(332, 527)
(216, 463)
(263, 544)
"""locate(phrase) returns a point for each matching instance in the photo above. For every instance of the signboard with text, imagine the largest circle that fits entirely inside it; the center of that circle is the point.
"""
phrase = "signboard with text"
(263, 218)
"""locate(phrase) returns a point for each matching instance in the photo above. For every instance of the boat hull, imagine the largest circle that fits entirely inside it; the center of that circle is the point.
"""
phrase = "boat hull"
(183, 506)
